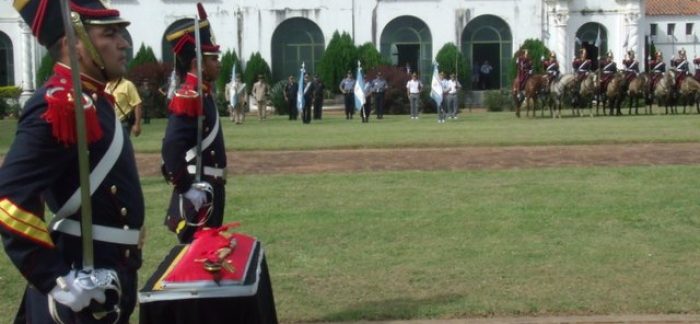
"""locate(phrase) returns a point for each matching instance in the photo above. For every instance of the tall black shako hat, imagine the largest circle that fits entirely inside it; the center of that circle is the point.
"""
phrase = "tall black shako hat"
(183, 39)
(44, 16)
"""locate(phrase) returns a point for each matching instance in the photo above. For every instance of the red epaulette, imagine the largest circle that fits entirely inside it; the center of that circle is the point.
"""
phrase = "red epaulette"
(186, 102)
(60, 113)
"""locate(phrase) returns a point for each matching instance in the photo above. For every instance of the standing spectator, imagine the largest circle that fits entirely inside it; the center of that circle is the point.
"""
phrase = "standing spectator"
(485, 75)
(442, 110)
(147, 101)
(127, 104)
(237, 108)
(260, 91)
(413, 89)
(379, 87)
(346, 88)
(452, 97)
(290, 97)
(202, 200)
(40, 172)
(319, 89)
(308, 99)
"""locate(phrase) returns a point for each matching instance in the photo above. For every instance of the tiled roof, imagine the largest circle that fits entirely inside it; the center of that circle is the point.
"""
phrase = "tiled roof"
(673, 7)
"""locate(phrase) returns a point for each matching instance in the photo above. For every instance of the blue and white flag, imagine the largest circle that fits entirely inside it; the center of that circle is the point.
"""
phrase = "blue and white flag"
(598, 40)
(234, 93)
(359, 89)
(300, 88)
(436, 87)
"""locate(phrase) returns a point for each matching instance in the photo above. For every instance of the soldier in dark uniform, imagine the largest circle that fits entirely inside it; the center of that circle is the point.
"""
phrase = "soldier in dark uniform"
(379, 87)
(680, 64)
(203, 201)
(551, 66)
(290, 96)
(608, 68)
(41, 167)
(524, 64)
(658, 67)
(346, 88)
(696, 62)
(582, 65)
(319, 88)
(630, 66)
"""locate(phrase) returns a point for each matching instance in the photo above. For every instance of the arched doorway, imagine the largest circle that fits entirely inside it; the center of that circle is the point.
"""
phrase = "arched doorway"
(594, 37)
(406, 42)
(130, 51)
(488, 38)
(294, 41)
(167, 53)
(7, 68)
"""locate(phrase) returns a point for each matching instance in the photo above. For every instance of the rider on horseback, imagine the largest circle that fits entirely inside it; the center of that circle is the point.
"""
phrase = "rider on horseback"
(658, 67)
(551, 66)
(609, 67)
(630, 66)
(524, 64)
(582, 65)
(696, 61)
(680, 64)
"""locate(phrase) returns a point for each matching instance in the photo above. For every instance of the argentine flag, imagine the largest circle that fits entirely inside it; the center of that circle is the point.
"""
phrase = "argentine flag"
(436, 87)
(300, 89)
(359, 89)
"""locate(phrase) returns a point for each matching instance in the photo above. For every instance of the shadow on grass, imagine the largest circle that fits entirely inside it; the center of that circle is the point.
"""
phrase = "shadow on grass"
(393, 309)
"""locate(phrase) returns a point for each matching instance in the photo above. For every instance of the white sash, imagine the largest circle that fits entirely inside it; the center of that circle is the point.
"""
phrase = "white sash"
(206, 142)
(98, 174)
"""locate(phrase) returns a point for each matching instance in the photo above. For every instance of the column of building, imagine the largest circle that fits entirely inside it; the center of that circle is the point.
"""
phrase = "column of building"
(632, 26)
(561, 20)
(27, 63)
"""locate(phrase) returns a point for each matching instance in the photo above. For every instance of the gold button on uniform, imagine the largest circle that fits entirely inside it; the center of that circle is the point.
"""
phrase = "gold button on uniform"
(123, 211)
(113, 189)
(127, 253)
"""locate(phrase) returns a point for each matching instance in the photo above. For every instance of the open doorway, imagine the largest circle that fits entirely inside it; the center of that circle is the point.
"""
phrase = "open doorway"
(491, 53)
(408, 55)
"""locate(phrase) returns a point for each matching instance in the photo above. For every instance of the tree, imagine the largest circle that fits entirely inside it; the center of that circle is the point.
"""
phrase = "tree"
(451, 60)
(227, 61)
(144, 55)
(45, 69)
(340, 56)
(256, 65)
(369, 57)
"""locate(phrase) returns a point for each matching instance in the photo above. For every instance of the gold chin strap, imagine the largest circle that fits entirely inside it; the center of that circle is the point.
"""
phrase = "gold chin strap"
(85, 39)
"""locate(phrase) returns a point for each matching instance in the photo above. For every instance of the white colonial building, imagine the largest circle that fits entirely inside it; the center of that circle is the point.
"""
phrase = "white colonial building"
(407, 32)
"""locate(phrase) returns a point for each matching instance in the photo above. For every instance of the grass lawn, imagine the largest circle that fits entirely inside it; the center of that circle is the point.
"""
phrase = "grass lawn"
(439, 244)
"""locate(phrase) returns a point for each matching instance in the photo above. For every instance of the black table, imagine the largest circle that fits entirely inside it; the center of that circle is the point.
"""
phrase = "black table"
(251, 301)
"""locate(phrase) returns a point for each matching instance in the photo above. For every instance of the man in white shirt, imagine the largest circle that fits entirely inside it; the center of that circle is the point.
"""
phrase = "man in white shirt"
(453, 87)
(413, 88)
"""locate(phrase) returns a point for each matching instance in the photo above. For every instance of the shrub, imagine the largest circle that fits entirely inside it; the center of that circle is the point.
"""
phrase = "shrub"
(153, 72)
(277, 98)
(339, 57)
(498, 100)
(536, 50)
(451, 59)
(395, 99)
(369, 57)
(9, 96)
(256, 65)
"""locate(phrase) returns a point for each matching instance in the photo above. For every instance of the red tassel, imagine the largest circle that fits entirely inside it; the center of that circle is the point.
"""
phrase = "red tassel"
(187, 103)
(61, 115)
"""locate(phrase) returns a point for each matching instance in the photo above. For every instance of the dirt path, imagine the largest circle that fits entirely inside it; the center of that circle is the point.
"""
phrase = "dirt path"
(459, 158)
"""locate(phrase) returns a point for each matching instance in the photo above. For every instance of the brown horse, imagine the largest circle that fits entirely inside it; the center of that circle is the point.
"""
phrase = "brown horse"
(614, 94)
(535, 86)
(638, 88)
(689, 93)
(585, 94)
(663, 91)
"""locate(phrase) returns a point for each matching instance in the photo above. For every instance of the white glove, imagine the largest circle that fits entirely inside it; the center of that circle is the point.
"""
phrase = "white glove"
(71, 293)
(196, 197)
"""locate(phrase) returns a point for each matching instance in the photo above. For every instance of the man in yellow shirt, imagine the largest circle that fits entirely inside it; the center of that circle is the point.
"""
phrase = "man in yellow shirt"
(127, 104)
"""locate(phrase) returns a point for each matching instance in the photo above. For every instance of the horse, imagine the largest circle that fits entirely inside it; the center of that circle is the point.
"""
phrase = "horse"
(689, 93)
(614, 94)
(516, 96)
(535, 86)
(560, 88)
(663, 91)
(586, 93)
(637, 88)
